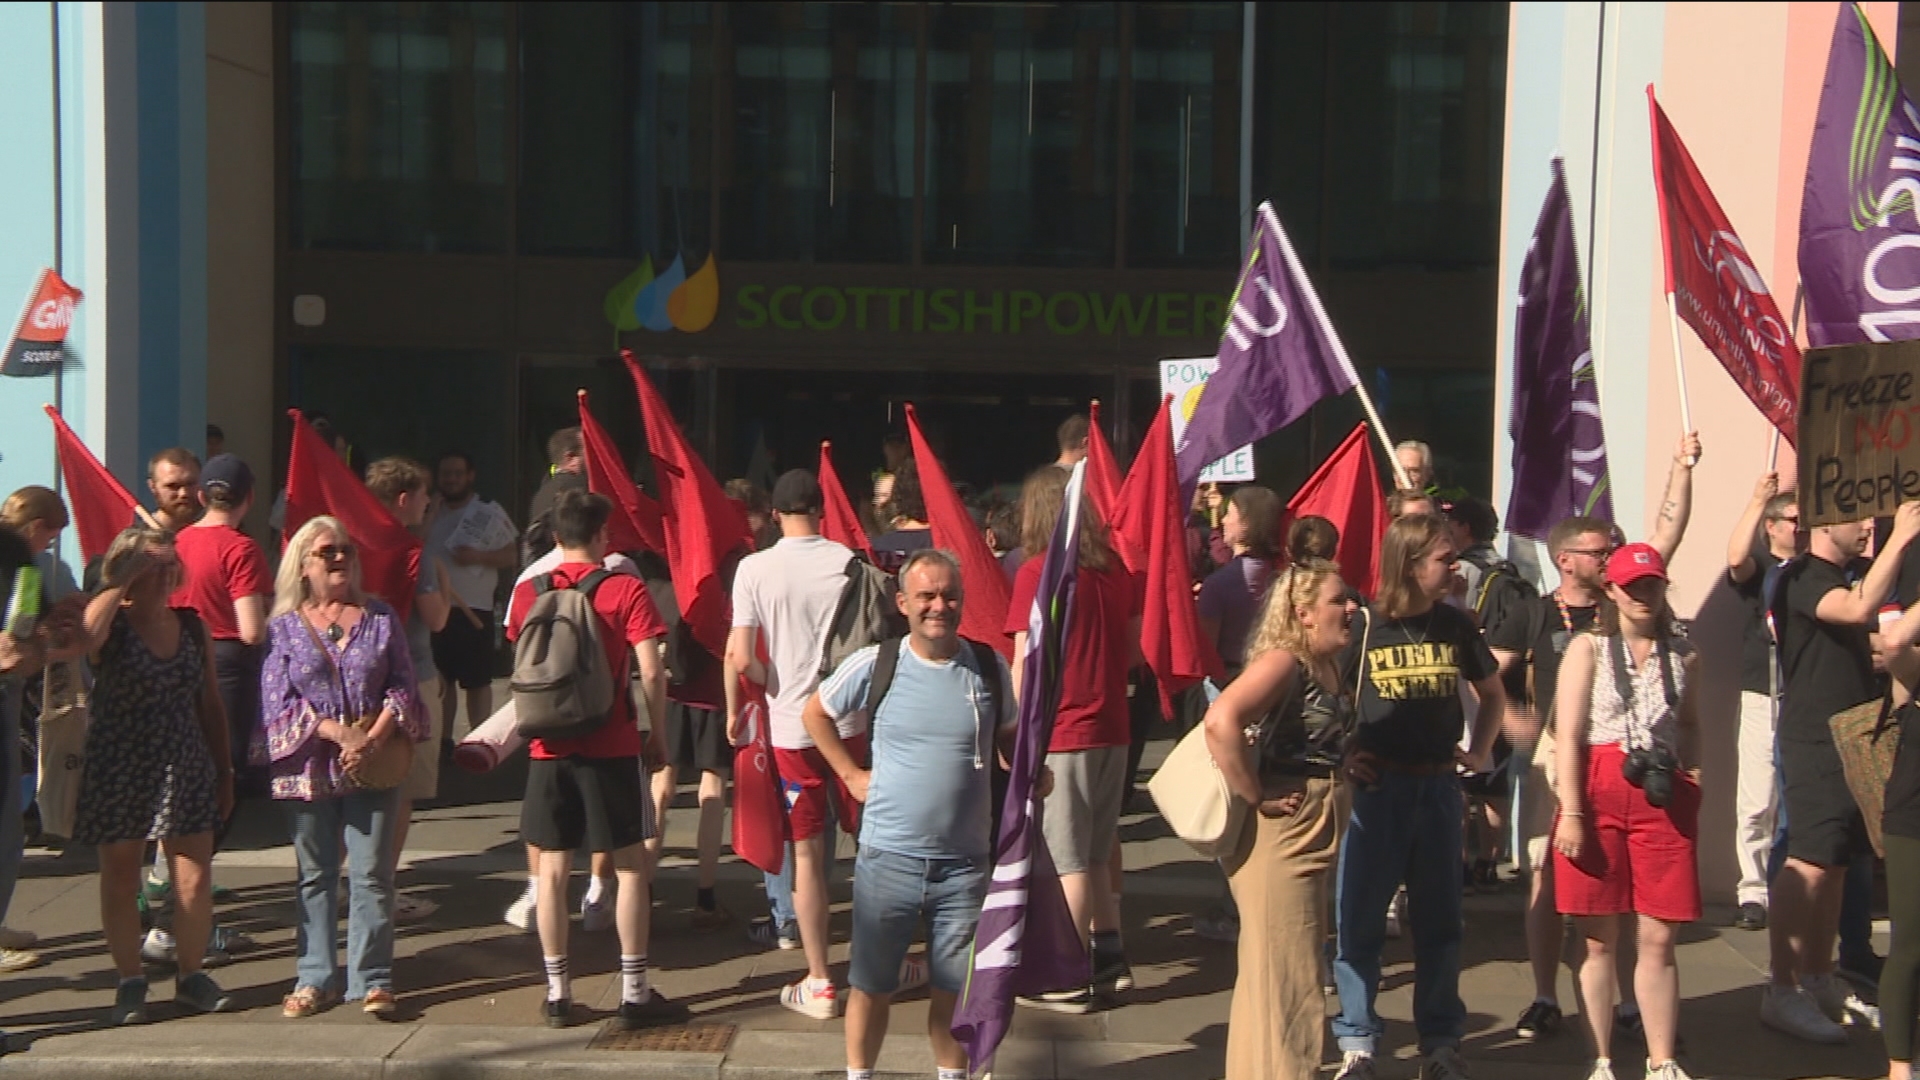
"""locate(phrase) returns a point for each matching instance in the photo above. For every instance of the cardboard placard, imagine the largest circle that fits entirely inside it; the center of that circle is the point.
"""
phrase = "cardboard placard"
(1859, 431)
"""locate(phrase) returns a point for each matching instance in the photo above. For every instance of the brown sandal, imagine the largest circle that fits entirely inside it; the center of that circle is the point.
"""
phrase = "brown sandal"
(378, 1002)
(304, 1002)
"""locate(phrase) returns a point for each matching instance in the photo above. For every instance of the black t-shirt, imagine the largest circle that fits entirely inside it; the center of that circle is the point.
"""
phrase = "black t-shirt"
(1825, 668)
(1756, 654)
(1542, 631)
(1410, 708)
(1902, 815)
(538, 538)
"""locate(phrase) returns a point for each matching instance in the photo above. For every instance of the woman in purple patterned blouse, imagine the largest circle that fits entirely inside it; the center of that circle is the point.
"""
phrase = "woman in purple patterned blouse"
(334, 655)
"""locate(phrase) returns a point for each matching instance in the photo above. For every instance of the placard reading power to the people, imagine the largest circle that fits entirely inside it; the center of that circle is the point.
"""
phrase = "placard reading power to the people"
(1859, 431)
(1183, 379)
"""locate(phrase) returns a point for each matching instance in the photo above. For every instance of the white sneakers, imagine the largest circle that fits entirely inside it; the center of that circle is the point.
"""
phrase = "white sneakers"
(1602, 1070)
(1794, 1011)
(1355, 1065)
(597, 915)
(1666, 1070)
(1840, 1003)
(820, 1003)
(520, 913)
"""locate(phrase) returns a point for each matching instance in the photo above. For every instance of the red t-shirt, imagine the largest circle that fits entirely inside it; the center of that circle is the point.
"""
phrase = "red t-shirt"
(1093, 686)
(627, 618)
(222, 565)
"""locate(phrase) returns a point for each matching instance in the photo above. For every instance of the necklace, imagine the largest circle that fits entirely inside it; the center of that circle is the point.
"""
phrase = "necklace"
(334, 631)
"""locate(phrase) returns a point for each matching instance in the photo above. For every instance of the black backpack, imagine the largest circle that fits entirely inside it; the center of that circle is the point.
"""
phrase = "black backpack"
(1503, 591)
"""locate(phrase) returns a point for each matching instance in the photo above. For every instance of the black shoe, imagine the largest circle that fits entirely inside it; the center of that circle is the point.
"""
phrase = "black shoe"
(558, 1014)
(1114, 976)
(1539, 1019)
(1752, 917)
(653, 1012)
(1072, 1002)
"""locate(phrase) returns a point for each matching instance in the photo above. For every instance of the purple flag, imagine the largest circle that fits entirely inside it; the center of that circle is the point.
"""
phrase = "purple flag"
(1559, 450)
(1859, 222)
(1026, 942)
(1278, 355)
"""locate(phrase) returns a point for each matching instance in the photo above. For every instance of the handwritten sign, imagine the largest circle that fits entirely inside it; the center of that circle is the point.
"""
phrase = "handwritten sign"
(1183, 379)
(1859, 431)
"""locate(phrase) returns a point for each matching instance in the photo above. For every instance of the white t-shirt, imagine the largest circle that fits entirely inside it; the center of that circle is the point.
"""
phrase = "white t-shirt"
(788, 593)
(480, 525)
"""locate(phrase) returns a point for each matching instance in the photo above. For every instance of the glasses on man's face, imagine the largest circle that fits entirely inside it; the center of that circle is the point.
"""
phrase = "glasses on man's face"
(1591, 553)
(332, 553)
(1793, 521)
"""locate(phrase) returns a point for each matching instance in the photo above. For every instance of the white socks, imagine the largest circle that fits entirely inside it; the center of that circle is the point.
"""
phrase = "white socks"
(859, 1074)
(952, 1074)
(597, 888)
(633, 980)
(559, 984)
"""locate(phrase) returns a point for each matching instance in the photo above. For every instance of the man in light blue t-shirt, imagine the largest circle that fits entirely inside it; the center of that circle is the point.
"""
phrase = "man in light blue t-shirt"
(925, 852)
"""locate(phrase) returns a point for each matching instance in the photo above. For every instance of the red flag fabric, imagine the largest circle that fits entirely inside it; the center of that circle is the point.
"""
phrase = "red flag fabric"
(703, 526)
(760, 827)
(1103, 472)
(1345, 490)
(1717, 288)
(636, 521)
(39, 341)
(838, 522)
(1151, 517)
(319, 484)
(984, 615)
(101, 507)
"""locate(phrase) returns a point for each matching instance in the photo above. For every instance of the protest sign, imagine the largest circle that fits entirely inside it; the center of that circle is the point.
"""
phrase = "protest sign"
(1183, 379)
(1859, 431)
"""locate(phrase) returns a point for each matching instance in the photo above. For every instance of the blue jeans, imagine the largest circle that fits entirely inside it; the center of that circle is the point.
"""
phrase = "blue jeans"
(366, 817)
(1407, 828)
(780, 885)
(893, 897)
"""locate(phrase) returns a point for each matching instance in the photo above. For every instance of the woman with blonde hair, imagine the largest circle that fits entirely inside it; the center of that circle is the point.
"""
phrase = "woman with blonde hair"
(1405, 762)
(1277, 734)
(157, 766)
(337, 685)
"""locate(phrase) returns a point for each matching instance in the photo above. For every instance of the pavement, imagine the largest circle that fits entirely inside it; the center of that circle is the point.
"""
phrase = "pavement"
(470, 987)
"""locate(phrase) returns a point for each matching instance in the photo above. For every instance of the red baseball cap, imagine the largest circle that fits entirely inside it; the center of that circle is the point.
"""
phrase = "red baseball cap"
(1635, 562)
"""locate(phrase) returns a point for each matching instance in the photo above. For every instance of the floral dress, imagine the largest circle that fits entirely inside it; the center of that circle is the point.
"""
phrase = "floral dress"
(149, 773)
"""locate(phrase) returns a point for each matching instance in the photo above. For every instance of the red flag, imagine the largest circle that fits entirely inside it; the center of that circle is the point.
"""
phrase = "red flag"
(101, 507)
(703, 526)
(1715, 286)
(1103, 473)
(838, 522)
(320, 484)
(1345, 490)
(635, 523)
(984, 616)
(1153, 520)
(39, 342)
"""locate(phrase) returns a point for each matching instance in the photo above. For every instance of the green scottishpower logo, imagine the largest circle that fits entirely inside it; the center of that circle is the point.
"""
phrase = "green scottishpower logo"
(872, 308)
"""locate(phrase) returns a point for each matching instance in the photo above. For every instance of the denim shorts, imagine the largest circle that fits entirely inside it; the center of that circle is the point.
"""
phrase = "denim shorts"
(894, 896)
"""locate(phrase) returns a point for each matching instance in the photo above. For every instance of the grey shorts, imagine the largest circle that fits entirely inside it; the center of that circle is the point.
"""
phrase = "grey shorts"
(1081, 818)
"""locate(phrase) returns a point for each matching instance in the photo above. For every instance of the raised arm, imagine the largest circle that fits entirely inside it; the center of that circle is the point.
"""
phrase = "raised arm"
(1740, 564)
(1676, 507)
(1860, 605)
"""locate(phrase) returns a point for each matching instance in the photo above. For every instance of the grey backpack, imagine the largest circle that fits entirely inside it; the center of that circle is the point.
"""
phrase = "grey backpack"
(865, 615)
(562, 685)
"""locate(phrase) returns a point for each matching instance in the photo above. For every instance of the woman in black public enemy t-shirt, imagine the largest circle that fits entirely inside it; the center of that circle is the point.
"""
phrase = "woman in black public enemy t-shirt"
(1407, 808)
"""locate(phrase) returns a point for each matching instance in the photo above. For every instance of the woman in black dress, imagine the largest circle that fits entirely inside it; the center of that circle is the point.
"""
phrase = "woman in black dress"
(156, 766)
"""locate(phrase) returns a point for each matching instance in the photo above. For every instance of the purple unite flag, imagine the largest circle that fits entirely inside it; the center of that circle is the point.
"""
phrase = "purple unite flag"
(1026, 942)
(1860, 211)
(1278, 356)
(1559, 449)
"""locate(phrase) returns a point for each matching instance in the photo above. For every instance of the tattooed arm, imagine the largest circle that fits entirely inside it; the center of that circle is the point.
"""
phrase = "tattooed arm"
(1676, 506)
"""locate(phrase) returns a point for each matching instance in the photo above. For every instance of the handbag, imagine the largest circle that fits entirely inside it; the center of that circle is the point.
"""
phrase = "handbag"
(382, 765)
(760, 826)
(1867, 741)
(1194, 797)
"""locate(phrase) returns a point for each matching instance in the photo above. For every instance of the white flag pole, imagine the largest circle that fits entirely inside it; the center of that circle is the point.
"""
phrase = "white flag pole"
(1799, 305)
(1679, 370)
(1400, 477)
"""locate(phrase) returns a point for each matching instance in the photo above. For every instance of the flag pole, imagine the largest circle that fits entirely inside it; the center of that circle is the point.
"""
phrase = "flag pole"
(1400, 478)
(1679, 371)
(1799, 305)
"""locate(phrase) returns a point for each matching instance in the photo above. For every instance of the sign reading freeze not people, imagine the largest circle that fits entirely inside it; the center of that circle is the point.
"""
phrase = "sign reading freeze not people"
(1859, 431)
(1183, 379)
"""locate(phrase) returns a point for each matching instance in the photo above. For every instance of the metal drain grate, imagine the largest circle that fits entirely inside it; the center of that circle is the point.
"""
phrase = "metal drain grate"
(678, 1038)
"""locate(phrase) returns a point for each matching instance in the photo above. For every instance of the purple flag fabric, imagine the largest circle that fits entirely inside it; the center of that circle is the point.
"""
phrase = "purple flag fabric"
(1026, 942)
(1859, 222)
(1278, 355)
(1559, 449)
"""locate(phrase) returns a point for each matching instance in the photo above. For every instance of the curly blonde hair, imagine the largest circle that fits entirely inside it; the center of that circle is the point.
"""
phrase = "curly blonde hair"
(1280, 627)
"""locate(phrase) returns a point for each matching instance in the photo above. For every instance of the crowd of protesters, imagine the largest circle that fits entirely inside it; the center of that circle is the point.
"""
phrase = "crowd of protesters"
(1382, 744)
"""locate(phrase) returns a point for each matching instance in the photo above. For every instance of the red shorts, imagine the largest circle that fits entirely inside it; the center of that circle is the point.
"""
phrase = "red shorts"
(807, 782)
(1638, 859)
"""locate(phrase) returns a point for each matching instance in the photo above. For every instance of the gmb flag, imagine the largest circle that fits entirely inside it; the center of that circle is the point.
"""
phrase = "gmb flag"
(39, 342)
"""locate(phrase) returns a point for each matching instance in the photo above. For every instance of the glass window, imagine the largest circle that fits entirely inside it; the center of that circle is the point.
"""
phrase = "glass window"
(616, 130)
(1183, 193)
(1022, 107)
(1290, 143)
(399, 126)
(818, 163)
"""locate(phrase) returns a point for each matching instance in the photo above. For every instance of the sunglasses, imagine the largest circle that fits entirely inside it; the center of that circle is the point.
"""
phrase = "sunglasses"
(331, 553)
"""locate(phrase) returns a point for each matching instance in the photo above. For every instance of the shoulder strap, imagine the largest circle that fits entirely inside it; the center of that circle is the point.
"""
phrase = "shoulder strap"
(545, 583)
(886, 661)
(988, 662)
(591, 582)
